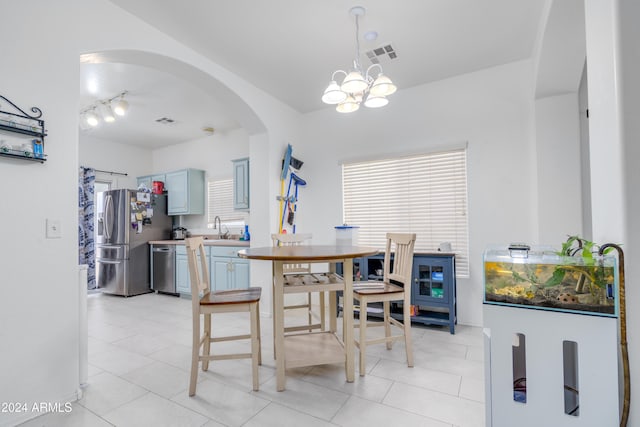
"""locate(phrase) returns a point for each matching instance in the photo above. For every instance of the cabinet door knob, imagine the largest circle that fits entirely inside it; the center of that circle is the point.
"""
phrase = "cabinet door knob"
(416, 280)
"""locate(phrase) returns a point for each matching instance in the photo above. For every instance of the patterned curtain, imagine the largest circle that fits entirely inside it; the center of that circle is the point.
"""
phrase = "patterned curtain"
(86, 254)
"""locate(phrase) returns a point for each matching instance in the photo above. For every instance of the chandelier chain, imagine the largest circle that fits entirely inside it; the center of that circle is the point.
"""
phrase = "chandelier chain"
(357, 60)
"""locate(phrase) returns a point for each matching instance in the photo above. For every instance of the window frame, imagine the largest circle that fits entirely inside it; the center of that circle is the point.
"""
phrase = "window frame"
(229, 217)
(439, 178)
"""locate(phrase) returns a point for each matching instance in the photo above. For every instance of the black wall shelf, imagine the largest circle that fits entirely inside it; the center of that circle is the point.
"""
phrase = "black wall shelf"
(20, 122)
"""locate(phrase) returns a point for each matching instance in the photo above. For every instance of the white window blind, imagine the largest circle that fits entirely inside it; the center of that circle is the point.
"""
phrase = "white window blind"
(220, 202)
(423, 194)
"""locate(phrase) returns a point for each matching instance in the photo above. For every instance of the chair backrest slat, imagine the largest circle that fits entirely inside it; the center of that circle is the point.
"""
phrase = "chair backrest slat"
(401, 245)
(198, 271)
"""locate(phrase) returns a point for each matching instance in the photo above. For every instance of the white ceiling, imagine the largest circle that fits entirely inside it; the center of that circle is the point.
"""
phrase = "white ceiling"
(152, 94)
(289, 48)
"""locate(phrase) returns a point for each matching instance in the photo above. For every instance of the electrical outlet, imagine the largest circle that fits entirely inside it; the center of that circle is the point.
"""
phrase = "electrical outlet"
(54, 230)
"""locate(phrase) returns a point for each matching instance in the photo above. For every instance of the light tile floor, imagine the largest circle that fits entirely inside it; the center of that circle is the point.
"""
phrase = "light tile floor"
(139, 361)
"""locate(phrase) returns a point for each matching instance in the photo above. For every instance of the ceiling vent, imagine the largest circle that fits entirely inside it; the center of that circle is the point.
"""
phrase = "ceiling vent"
(382, 55)
(165, 121)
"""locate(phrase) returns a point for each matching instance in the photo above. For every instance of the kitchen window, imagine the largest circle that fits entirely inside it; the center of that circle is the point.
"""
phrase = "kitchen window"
(424, 194)
(220, 203)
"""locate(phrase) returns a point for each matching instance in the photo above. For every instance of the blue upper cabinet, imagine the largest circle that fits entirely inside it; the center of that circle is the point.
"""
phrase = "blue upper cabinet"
(146, 180)
(241, 184)
(159, 177)
(185, 190)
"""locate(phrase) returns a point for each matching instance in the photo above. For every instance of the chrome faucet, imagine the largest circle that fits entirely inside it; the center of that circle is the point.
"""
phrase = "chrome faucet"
(219, 228)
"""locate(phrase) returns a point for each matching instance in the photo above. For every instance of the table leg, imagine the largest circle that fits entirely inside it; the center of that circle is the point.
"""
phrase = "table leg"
(333, 305)
(278, 316)
(347, 314)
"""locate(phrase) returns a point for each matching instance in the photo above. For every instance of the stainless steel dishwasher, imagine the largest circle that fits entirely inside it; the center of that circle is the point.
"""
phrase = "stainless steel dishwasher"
(164, 268)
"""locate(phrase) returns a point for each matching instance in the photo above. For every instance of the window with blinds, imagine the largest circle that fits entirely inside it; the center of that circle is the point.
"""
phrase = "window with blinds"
(220, 203)
(423, 194)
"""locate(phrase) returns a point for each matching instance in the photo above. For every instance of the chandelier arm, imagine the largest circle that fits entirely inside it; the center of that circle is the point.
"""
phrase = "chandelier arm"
(368, 76)
(333, 76)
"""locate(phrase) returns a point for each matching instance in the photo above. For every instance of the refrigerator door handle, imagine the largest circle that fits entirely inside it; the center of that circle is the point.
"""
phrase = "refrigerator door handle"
(104, 261)
(108, 216)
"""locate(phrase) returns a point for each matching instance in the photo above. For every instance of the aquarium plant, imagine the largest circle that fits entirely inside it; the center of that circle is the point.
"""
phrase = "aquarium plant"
(591, 270)
(576, 278)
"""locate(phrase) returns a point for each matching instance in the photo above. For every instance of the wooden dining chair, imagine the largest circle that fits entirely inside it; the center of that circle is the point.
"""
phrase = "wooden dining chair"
(395, 286)
(204, 302)
(294, 273)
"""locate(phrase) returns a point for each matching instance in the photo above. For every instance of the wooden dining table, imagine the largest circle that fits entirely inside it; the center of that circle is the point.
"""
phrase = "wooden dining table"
(313, 348)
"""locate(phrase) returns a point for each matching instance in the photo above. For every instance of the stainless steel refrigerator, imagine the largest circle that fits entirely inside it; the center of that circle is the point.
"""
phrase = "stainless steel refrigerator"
(127, 221)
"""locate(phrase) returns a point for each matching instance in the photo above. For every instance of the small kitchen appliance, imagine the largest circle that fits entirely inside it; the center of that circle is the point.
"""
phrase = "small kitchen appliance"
(158, 187)
(179, 233)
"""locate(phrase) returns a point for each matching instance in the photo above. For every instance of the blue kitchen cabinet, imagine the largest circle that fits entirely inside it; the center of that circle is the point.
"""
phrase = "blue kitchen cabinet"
(227, 270)
(146, 180)
(183, 277)
(183, 281)
(158, 177)
(433, 287)
(241, 184)
(185, 190)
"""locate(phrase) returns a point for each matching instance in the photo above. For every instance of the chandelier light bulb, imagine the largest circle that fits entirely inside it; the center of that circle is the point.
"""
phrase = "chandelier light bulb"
(375, 101)
(348, 106)
(333, 94)
(383, 86)
(354, 82)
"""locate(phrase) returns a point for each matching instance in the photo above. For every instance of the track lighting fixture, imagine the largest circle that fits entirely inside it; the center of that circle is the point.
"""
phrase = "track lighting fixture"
(121, 107)
(105, 110)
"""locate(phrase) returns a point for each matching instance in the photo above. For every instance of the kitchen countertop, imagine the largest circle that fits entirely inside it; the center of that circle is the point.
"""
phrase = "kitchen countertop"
(207, 242)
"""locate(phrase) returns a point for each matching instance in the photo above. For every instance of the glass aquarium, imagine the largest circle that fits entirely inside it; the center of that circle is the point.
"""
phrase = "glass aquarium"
(539, 278)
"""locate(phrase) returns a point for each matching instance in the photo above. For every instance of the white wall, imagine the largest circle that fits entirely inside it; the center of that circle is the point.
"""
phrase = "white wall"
(213, 154)
(39, 303)
(39, 296)
(606, 147)
(559, 168)
(630, 97)
(491, 109)
(614, 105)
(585, 161)
(115, 157)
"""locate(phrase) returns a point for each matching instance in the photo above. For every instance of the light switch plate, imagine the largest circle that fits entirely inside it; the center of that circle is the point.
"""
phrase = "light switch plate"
(54, 230)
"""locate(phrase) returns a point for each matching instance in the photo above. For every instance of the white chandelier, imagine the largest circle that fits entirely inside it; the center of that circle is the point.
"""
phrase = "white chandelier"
(358, 86)
(105, 109)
